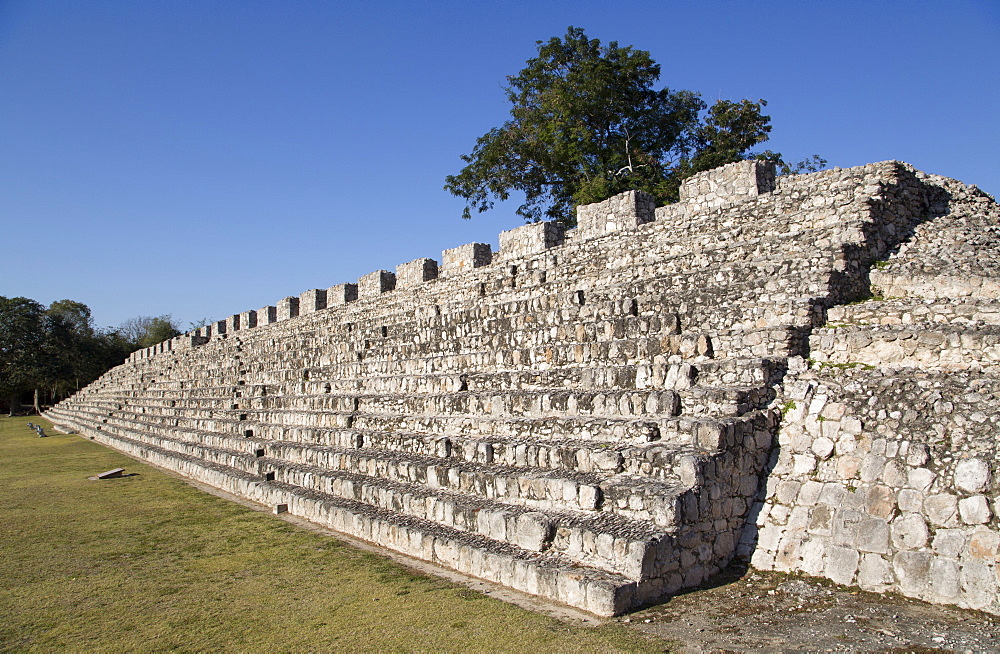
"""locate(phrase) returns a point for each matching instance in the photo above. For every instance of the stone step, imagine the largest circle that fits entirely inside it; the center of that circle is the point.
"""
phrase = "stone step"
(917, 311)
(944, 346)
(599, 540)
(754, 372)
(656, 459)
(532, 487)
(609, 540)
(550, 574)
(543, 417)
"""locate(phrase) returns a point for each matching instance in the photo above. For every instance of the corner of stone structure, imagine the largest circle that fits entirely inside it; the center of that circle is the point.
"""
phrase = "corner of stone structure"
(375, 283)
(312, 300)
(288, 308)
(233, 323)
(531, 239)
(464, 258)
(341, 294)
(734, 182)
(624, 211)
(248, 319)
(267, 315)
(416, 272)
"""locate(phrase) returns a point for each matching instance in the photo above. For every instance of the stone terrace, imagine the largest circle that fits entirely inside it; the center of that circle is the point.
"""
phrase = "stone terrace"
(587, 415)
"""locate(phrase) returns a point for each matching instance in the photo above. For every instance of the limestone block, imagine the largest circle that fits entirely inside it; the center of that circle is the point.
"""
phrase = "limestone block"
(984, 545)
(416, 272)
(910, 501)
(312, 300)
(813, 553)
(841, 564)
(218, 328)
(534, 531)
(909, 532)
(920, 479)
(948, 543)
(375, 283)
(941, 509)
(912, 569)
(248, 320)
(874, 573)
(944, 579)
(288, 308)
(341, 294)
(727, 184)
(464, 258)
(531, 239)
(974, 510)
(623, 211)
(233, 323)
(880, 501)
(979, 584)
(822, 447)
(267, 315)
(873, 535)
(972, 475)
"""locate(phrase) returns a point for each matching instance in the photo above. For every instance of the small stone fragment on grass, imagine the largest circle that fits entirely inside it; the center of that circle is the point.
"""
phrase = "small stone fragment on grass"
(114, 473)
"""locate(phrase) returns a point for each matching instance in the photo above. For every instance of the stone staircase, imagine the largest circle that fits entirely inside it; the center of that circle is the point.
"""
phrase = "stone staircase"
(587, 418)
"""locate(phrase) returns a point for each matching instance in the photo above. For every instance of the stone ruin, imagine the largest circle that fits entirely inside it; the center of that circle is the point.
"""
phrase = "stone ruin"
(801, 372)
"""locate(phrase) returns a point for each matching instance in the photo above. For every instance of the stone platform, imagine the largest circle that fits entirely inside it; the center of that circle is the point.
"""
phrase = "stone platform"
(588, 415)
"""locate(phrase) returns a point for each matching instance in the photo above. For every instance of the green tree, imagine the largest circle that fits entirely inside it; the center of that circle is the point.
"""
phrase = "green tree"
(143, 331)
(22, 356)
(587, 123)
(56, 350)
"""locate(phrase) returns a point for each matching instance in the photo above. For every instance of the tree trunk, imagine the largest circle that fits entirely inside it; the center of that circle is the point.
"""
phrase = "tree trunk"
(38, 409)
(15, 405)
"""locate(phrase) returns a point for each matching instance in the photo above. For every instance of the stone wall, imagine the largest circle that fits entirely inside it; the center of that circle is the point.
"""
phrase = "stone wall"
(608, 414)
(886, 472)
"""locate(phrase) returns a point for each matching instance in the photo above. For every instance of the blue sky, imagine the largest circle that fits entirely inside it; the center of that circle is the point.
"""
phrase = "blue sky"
(204, 158)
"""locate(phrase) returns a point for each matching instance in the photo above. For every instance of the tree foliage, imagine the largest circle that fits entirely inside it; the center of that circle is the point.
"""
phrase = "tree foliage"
(55, 351)
(149, 330)
(22, 336)
(587, 123)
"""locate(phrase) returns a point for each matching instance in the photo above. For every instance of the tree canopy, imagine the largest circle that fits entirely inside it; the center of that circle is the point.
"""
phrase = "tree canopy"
(56, 350)
(587, 123)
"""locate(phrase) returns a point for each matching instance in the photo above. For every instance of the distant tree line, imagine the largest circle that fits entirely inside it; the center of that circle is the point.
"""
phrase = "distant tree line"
(48, 353)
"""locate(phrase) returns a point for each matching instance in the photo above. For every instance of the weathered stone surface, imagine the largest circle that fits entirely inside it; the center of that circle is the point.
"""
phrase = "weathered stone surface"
(288, 308)
(464, 258)
(624, 211)
(972, 475)
(531, 239)
(416, 272)
(312, 300)
(375, 283)
(341, 294)
(589, 414)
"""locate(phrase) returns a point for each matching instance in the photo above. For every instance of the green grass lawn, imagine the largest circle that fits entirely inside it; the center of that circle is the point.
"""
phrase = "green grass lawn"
(147, 562)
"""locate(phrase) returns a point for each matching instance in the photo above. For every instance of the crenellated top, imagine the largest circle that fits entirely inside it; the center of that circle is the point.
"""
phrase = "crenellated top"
(726, 185)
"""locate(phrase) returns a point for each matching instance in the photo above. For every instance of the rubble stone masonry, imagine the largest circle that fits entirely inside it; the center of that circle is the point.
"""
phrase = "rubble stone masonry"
(800, 371)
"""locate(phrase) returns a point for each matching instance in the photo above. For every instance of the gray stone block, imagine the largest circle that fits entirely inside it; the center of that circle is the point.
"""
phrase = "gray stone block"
(267, 315)
(531, 239)
(972, 475)
(248, 319)
(464, 258)
(416, 272)
(312, 300)
(375, 283)
(341, 294)
(288, 308)
(624, 211)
